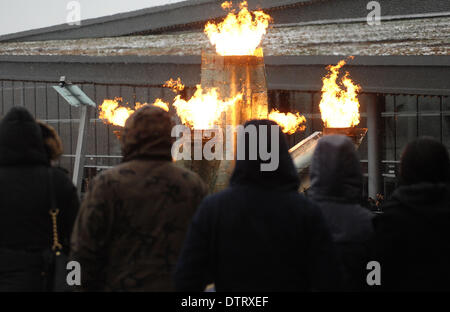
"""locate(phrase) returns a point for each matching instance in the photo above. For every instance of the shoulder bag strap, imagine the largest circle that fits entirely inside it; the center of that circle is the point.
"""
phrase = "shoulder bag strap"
(54, 211)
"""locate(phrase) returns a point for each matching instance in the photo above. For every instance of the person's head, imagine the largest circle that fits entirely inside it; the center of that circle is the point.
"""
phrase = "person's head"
(147, 134)
(335, 171)
(424, 160)
(273, 166)
(52, 141)
(21, 141)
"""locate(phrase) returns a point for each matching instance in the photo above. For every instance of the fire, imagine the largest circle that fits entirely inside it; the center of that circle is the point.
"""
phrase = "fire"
(175, 85)
(227, 5)
(161, 104)
(289, 122)
(158, 103)
(113, 112)
(238, 34)
(339, 106)
(204, 109)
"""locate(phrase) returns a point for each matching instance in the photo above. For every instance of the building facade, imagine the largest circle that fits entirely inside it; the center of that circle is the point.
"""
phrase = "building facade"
(402, 65)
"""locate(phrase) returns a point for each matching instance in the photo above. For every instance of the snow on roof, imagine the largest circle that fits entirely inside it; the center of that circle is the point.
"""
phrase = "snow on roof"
(426, 36)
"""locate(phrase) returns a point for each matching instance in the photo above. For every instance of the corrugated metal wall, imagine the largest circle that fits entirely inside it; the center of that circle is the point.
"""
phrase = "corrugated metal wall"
(45, 104)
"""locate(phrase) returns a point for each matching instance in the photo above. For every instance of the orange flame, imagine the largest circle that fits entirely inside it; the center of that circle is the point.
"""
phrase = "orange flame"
(158, 103)
(204, 109)
(289, 122)
(339, 105)
(161, 104)
(175, 85)
(238, 34)
(227, 5)
(113, 112)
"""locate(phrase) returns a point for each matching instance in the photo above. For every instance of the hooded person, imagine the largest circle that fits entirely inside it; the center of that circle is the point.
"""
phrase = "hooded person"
(336, 187)
(413, 231)
(259, 234)
(134, 218)
(25, 224)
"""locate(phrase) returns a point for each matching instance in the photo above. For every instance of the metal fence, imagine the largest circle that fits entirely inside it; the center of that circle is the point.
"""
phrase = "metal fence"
(403, 118)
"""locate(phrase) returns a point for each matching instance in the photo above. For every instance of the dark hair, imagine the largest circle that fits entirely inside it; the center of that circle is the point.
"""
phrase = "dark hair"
(424, 160)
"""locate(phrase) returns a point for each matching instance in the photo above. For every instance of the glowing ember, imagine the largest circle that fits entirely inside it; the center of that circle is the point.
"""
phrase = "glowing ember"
(289, 123)
(175, 85)
(238, 34)
(204, 109)
(339, 104)
(113, 112)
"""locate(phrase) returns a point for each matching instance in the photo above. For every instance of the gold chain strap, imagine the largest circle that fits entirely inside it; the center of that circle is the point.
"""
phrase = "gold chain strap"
(57, 247)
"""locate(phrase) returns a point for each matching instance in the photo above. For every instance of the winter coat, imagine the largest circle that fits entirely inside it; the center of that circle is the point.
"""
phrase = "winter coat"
(259, 234)
(134, 218)
(25, 223)
(413, 239)
(336, 186)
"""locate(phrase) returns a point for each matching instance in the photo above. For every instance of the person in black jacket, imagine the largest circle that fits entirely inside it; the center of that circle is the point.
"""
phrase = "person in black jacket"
(414, 229)
(25, 223)
(336, 186)
(259, 234)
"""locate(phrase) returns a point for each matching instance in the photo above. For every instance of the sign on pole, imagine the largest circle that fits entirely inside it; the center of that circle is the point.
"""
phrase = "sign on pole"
(77, 98)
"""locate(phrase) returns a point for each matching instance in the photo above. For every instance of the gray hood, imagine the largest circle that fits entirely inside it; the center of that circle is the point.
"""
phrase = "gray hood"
(336, 171)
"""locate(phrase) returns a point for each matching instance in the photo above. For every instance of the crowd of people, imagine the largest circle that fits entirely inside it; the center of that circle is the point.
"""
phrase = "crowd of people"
(150, 225)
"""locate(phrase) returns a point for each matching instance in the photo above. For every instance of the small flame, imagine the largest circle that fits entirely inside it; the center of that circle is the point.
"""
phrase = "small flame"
(289, 122)
(113, 112)
(175, 85)
(161, 104)
(204, 109)
(238, 34)
(339, 105)
(227, 5)
(158, 103)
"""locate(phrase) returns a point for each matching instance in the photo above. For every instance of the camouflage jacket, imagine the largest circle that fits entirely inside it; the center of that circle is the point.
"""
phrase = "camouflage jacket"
(133, 221)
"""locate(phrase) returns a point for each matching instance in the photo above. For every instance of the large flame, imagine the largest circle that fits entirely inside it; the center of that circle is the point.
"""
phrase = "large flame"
(339, 105)
(238, 34)
(204, 109)
(289, 122)
(113, 112)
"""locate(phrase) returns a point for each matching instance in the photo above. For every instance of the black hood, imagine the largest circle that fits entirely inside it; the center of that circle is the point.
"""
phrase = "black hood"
(21, 141)
(429, 202)
(425, 198)
(248, 172)
(336, 171)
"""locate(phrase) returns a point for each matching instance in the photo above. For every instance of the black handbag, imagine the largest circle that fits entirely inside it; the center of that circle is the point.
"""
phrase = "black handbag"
(55, 259)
